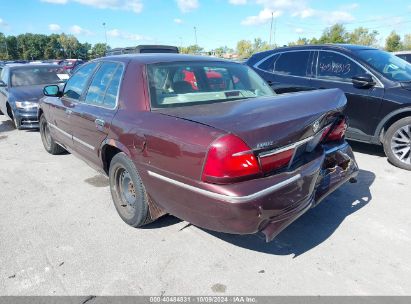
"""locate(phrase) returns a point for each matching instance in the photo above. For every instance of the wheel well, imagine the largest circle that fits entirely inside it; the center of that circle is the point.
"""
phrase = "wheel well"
(9, 112)
(39, 114)
(108, 152)
(391, 121)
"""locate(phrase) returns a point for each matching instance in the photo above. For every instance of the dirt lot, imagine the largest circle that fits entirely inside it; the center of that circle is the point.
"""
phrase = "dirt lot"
(60, 234)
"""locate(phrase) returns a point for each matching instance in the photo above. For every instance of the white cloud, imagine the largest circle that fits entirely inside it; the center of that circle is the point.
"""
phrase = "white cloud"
(299, 30)
(187, 5)
(135, 6)
(3, 23)
(238, 2)
(78, 30)
(178, 21)
(54, 27)
(263, 17)
(116, 33)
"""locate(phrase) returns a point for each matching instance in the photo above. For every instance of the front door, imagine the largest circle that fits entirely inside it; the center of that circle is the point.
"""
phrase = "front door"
(335, 70)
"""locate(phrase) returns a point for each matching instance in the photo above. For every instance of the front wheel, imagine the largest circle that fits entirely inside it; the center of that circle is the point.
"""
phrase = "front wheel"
(397, 143)
(128, 192)
(48, 142)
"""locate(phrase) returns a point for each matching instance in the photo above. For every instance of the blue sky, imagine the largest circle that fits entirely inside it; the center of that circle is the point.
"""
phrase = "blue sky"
(218, 22)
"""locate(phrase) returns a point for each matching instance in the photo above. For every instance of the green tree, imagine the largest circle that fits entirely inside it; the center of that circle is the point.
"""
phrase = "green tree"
(407, 42)
(12, 50)
(192, 49)
(99, 50)
(259, 45)
(393, 42)
(334, 34)
(363, 36)
(299, 41)
(3, 47)
(69, 44)
(244, 48)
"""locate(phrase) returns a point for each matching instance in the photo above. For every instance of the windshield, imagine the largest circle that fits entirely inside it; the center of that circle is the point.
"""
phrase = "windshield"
(188, 83)
(391, 66)
(30, 76)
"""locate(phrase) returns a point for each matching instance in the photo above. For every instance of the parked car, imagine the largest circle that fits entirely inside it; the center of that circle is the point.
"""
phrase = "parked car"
(21, 87)
(406, 55)
(237, 159)
(143, 49)
(71, 64)
(377, 85)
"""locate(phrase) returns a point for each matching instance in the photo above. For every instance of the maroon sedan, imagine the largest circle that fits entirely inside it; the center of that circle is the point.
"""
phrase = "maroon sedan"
(233, 158)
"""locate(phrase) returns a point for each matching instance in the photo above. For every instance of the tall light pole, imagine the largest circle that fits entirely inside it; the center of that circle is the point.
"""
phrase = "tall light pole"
(271, 27)
(195, 34)
(105, 34)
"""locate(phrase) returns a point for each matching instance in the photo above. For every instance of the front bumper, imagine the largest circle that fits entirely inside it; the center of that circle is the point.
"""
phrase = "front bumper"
(26, 119)
(266, 205)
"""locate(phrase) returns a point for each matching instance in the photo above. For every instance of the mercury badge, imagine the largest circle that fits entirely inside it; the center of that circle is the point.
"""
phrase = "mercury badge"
(316, 126)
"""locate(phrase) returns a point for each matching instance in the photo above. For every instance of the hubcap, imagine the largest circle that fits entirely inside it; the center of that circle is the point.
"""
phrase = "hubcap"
(401, 144)
(127, 192)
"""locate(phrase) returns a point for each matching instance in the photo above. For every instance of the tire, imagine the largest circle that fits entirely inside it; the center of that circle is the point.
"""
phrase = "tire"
(397, 143)
(48, 142)
(128, 192)
(10, 113)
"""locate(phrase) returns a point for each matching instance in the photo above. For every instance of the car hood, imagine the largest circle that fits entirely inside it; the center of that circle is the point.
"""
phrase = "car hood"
(269, 121)
(27, 93)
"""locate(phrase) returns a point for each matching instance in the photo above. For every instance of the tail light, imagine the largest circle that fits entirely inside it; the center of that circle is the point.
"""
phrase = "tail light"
(276, 161)
(229, 159)
(337, 131)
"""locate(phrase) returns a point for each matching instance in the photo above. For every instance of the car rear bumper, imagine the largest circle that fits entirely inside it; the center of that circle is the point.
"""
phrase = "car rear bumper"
(265, 205)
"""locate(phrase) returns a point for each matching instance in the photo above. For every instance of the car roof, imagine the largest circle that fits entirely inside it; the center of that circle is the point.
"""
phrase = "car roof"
(150, 58)
(30, 65)
(402, 53)
(348, 47)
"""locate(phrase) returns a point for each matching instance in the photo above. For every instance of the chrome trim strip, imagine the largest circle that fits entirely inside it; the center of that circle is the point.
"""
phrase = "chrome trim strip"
(60, 130)
(83, 143)
(285, 148)
(71, 137)
(228, 198)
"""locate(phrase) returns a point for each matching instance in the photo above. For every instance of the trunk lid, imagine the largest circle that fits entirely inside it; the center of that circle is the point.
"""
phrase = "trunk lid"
(270, 121)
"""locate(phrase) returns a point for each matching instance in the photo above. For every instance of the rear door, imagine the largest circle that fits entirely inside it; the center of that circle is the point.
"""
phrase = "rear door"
(335, 70)
(60, 117)
(288, 71)
(92, 116)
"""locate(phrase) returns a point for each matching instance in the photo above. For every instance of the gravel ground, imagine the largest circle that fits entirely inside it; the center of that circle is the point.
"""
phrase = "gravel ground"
(60, 235)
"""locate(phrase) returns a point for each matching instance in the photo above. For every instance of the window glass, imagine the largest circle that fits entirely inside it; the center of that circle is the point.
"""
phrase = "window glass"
(101, 81)
(37, 75)
(112, 90)
(77, 82)
(177, 84)
(333, 66)
(292, 63)
(268, 64)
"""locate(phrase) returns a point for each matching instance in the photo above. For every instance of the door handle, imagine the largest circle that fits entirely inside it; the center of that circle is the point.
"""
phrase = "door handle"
(69, 112)
(269, 82)
(100, 122)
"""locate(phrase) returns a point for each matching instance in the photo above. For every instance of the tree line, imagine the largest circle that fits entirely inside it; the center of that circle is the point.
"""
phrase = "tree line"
(58, 46)
(55, 46)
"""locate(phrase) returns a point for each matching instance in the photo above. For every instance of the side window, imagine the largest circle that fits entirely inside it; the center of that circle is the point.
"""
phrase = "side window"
(292, 63)
(76, 84)
(333, 66)
(268, 64)
(104, 86)
(5, 75)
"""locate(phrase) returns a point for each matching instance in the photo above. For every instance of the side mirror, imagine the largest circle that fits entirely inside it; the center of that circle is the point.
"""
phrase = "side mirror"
(363, 81)
(52, 91)
(2, 84)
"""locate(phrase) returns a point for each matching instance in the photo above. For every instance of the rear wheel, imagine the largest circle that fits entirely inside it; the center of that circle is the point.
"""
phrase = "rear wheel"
(397, 143)
(48, 142)
(128, 192)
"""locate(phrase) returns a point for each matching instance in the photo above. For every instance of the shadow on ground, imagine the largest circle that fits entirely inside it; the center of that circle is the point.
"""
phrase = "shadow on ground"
(315, 226)
(6, 126)
(367, 148)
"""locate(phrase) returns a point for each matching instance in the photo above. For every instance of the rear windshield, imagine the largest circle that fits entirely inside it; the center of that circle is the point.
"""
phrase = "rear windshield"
(189, 83)
(30, 76)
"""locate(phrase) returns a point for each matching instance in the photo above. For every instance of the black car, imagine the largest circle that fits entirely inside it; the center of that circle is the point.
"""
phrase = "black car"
(21, 87)
(406, 55)
(377, 85)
